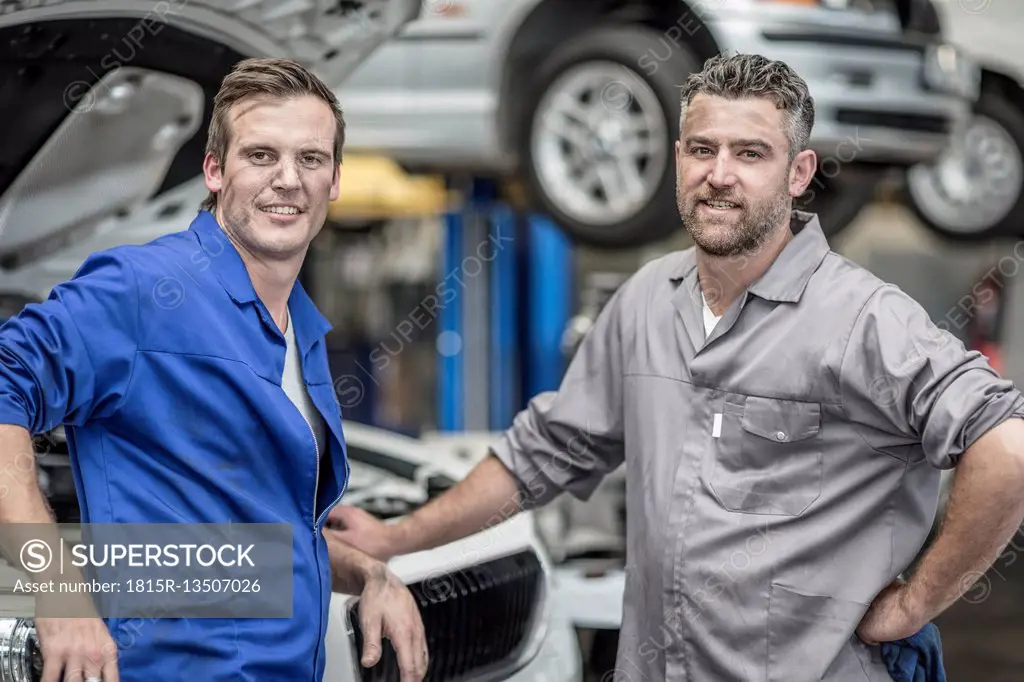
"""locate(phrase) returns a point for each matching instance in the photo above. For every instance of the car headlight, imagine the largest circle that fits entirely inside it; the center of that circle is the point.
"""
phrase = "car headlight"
(949, 69)
(21, 659)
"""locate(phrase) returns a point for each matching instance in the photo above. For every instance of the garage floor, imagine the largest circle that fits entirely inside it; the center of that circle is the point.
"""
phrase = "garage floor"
(983, 634)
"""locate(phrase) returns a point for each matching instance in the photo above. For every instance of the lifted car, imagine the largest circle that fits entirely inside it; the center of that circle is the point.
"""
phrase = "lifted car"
(580, 100)
(106, 103)
(974, 192)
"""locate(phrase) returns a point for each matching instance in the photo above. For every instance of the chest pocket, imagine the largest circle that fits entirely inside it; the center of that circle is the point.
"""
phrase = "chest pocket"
(768, 457)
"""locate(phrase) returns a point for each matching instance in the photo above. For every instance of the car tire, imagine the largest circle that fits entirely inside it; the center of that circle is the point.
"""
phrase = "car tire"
(988, 161)
(612, 57)
(838, 197)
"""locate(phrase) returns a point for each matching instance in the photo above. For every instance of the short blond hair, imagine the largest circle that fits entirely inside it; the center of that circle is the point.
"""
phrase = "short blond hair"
(279, 78)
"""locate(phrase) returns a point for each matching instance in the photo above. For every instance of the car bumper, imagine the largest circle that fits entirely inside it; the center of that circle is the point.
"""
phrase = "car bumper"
(554, 650)
(558, 659)
(878, 97)
(589, 601)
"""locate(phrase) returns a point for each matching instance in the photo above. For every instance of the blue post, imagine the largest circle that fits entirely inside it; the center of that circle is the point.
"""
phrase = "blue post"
(549, 272)
(503, 328)
(450, 416)
(498, 348)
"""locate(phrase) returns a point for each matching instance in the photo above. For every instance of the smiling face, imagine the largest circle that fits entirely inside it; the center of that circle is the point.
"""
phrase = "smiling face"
(735, 180)
(278, 176)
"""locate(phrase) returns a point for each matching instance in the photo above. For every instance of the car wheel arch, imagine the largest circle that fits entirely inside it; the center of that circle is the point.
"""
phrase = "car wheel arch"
(1000, 106)
(999, 81)
(532, 42)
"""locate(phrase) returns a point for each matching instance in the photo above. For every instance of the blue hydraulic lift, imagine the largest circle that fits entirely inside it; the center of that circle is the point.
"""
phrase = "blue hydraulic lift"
(499, 333)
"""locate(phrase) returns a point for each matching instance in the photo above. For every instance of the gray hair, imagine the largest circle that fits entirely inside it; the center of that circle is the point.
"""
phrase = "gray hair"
(751, 75)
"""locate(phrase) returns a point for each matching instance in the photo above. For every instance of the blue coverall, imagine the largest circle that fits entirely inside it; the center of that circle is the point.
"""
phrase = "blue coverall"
(165, 368)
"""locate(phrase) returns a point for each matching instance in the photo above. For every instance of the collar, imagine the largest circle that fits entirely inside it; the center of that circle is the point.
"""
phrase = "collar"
(229, 268)
(787, 276)
(310, 324)
(228, 264)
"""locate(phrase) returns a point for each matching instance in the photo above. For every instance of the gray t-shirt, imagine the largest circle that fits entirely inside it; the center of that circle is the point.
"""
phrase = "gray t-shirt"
(295, 387)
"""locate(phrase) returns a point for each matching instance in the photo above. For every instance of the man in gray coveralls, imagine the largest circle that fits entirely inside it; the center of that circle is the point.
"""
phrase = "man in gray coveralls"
(783, 416)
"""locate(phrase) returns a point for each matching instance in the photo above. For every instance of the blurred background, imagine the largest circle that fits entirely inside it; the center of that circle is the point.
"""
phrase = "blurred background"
(508, 164)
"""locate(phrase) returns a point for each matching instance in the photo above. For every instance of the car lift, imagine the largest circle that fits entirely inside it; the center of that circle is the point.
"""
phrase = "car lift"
(506, 286)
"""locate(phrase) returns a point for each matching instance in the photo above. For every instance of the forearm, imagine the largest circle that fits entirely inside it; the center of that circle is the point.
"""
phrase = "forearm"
(26, 517)
(487, 496)
(351, 569)
(985, 510)
(21, 500)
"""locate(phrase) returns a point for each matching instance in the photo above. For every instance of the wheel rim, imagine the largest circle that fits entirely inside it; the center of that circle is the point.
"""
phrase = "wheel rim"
(975, 184)
(600, 143)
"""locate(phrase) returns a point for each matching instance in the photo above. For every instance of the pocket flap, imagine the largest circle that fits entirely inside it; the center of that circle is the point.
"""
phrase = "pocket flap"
(782, 421)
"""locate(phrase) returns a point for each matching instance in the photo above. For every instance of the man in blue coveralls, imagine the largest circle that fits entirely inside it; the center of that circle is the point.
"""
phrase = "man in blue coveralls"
(191, 376)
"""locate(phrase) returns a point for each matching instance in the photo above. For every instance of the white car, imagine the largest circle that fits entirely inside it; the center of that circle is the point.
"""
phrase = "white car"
(504, 570)
(587, 545)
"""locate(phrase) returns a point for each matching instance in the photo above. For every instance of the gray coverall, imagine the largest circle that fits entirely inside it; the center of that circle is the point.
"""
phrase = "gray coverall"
(780, 472)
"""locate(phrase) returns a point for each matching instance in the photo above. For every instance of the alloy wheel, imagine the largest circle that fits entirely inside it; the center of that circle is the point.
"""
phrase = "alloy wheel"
(975, 184)
(600, 142)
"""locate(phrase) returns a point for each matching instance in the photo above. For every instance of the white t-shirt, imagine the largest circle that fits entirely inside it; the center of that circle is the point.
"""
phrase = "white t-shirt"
(710, 319)
(295, 387)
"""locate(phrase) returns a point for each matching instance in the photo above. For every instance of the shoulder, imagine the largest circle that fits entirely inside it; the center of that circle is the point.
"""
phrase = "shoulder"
(658, 275)
(842, 291)
(838, 276)
(133, 274)
(880, 329)
(156, 256)
(862, 294)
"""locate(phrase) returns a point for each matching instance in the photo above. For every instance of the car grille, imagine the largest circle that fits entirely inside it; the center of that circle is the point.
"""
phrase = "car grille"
(476, 619)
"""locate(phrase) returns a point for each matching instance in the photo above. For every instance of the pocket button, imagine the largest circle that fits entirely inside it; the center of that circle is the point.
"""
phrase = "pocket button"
(780, 435)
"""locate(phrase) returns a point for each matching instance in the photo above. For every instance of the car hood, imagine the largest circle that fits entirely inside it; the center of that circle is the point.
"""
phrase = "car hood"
(387, 495)
(106, 102)
(393, 475)
(331, 37)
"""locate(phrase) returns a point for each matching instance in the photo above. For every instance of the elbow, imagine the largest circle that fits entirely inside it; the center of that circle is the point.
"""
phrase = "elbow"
(1015, 449)
(18, 389)
(1001, 448)
(14, 413)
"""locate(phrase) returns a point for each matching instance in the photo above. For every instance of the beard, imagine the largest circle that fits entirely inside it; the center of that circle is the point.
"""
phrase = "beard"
(745, 231)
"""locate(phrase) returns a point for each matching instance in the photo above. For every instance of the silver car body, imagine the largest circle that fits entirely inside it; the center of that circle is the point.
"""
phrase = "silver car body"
(437, 94)
(120, 135)
(973, 190)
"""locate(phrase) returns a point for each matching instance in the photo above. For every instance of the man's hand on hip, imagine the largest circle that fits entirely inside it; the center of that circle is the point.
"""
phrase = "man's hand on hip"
(893, 615)
(76, 650)
(387, 609)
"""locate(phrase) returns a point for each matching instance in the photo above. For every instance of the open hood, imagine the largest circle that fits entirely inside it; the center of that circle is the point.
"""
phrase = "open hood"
(105, 103)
